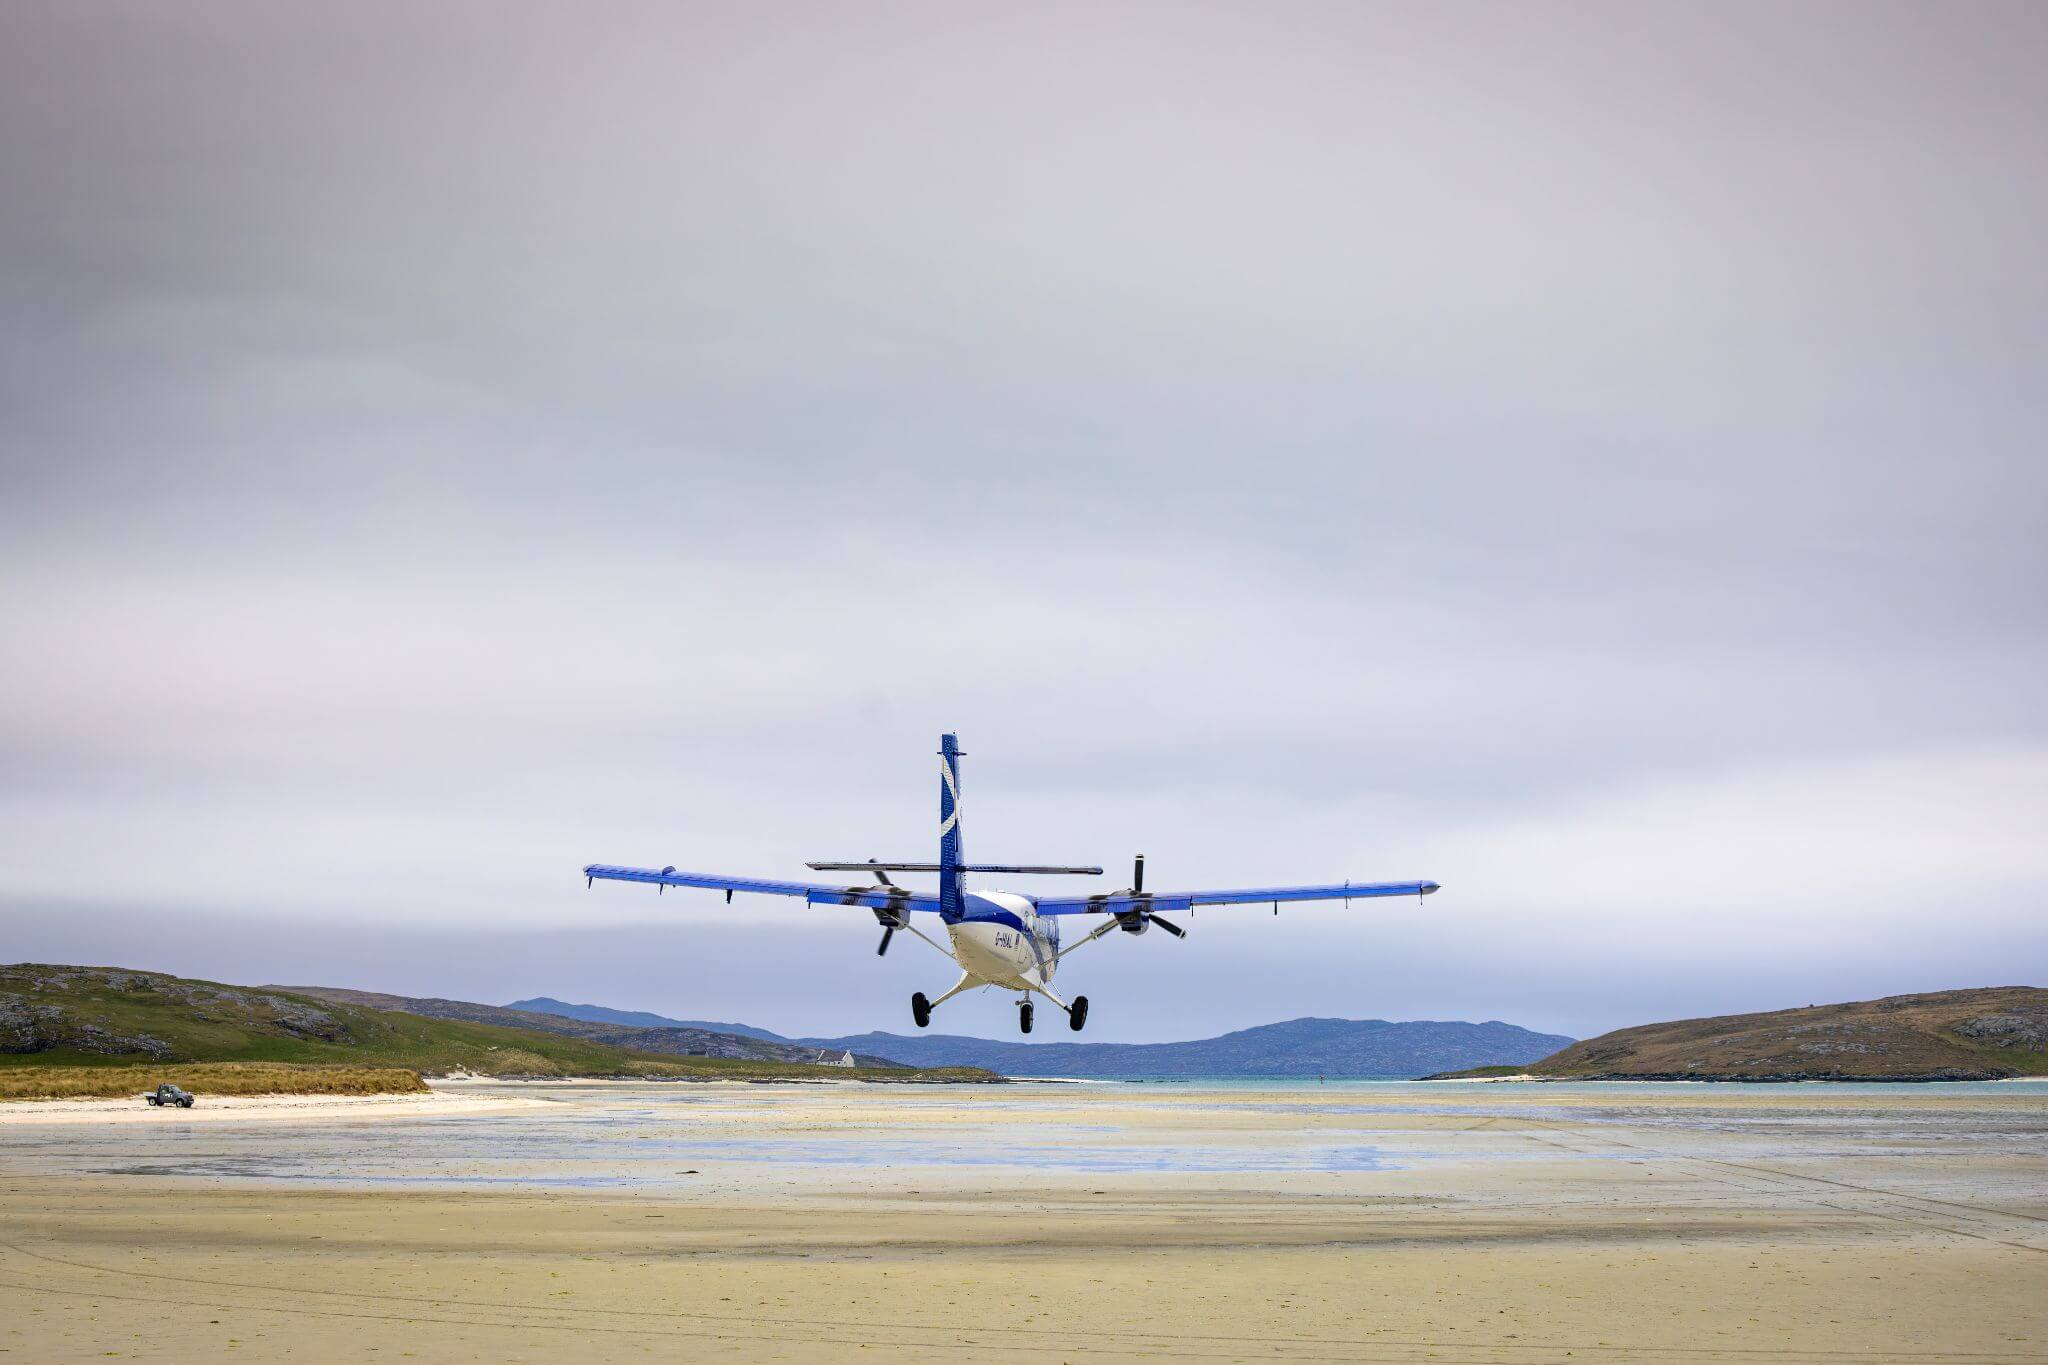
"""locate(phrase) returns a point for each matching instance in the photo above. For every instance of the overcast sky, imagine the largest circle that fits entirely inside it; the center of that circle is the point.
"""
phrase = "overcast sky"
(1593, 456)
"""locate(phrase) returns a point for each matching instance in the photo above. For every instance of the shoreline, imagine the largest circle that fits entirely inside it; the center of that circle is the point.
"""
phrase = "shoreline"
(274, 1108)
(1689, 1078)
(444, 1097)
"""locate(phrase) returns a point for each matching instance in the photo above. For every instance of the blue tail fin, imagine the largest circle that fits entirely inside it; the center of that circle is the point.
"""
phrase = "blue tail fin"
(952, 900)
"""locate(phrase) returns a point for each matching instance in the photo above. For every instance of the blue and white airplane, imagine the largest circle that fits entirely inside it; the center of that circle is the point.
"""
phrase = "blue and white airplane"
(1004, 939)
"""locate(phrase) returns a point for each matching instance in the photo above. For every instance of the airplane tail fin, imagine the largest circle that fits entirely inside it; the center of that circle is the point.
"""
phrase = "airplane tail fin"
(952, 901)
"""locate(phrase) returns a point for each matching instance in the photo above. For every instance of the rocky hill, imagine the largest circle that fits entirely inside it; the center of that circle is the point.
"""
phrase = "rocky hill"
(83, 1013)
(1983, 1034)
(53, 1015)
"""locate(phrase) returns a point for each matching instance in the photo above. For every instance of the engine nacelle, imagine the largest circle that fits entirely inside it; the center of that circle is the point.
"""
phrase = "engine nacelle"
(1131, 922)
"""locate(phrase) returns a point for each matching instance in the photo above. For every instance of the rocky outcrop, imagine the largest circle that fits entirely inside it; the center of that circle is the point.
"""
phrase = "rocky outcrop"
(27, 1026)
(2028, 1031)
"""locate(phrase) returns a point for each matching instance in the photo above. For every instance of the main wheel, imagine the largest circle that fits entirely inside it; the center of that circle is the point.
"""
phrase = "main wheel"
(920, 1009)
(1078, 1014)
(1024, 1017)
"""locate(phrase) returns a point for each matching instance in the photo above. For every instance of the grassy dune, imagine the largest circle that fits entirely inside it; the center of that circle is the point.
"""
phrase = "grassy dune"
(204, 1078)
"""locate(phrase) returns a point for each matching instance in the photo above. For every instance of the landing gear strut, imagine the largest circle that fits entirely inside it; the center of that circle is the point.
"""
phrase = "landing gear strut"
(1077, 1013)
(920, 1009)
(1024, 1016)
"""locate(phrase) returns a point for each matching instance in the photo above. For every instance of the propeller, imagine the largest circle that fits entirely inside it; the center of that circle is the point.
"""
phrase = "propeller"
(1134, 921)
(891, 919)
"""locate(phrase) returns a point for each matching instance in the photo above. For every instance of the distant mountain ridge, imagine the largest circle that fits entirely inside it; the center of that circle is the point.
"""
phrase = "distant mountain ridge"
(671, 1039)
(598, 1014)
(1297, 1047)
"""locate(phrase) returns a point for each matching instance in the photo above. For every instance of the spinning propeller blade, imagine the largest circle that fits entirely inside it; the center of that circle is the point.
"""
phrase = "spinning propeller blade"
(1136, 920)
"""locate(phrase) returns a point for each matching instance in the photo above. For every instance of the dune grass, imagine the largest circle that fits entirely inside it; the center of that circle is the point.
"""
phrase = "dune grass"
(205, 1078)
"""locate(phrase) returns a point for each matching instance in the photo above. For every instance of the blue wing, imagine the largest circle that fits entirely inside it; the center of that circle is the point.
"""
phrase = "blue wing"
(873, 897)
(1182, 900)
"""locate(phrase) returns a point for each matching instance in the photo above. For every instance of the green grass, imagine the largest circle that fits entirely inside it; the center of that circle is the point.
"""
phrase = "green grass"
(113, 1017)
(2022, 1060)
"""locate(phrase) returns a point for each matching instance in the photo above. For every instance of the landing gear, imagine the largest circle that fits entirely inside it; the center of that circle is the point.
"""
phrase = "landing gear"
(1024, 1016)
(1077, 1013)
(920, 1009)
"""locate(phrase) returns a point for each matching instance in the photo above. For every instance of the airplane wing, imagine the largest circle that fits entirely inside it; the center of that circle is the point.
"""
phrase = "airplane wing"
(873, 897)
(1116, 904)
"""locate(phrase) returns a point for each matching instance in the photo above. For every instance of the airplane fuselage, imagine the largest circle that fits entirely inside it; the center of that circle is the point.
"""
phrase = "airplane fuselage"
(1004, 941)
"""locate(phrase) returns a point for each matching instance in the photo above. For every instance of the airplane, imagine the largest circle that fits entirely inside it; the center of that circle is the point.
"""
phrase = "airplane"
(1005, 939)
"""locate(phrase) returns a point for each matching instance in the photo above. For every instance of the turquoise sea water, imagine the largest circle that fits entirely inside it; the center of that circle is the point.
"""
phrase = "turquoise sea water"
(1617, 1090)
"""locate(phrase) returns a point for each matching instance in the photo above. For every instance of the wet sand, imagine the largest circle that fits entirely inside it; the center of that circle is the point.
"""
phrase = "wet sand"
(1487, 1223)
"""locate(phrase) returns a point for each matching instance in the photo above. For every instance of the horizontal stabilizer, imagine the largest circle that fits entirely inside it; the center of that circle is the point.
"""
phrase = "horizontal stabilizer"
(1030, 869)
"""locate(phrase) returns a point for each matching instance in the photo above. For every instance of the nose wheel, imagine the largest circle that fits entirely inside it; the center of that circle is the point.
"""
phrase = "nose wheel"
(1024, 1016)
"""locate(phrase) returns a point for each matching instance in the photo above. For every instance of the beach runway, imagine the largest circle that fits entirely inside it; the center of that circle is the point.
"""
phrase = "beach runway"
(1495, 1223)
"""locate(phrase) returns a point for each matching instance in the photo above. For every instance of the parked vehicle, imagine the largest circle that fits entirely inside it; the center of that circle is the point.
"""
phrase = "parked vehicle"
(168, 1094)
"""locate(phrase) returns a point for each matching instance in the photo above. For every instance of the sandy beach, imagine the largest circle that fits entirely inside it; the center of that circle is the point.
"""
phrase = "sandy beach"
(243, 1109)
(1392, 1223)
